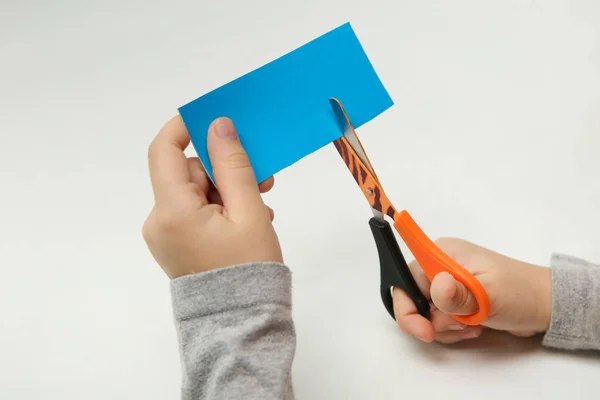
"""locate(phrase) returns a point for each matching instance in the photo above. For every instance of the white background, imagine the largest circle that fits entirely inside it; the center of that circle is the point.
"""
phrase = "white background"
(494, 138)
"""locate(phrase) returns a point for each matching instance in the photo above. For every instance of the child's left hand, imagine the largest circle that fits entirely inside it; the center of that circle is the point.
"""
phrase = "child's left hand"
(195, 228)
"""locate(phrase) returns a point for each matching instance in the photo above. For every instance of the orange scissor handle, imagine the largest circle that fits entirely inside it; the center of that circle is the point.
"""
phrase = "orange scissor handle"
(433, 261)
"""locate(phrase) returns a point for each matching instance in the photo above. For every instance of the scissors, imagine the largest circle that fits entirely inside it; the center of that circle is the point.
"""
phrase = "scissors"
(393, 267)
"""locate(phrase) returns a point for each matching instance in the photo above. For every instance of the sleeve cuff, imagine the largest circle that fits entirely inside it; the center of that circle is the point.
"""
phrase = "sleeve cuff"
(229, 288)
(575, 320)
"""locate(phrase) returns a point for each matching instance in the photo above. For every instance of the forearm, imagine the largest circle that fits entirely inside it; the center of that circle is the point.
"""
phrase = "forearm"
(236, 333)
(575, 321)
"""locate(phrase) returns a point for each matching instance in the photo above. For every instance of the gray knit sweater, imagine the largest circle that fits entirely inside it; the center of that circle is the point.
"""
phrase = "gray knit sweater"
(237, 339)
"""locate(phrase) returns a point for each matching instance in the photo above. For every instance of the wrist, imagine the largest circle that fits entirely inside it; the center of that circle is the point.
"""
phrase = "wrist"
(542, 283)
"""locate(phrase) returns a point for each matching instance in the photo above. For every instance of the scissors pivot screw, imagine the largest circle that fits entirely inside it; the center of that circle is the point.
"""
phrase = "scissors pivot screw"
(369, 191)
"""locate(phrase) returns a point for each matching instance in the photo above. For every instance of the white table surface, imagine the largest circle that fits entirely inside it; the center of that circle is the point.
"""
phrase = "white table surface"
(494, 138)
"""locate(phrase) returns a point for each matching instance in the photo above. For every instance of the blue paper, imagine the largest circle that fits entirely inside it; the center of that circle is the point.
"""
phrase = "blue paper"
(281, 111)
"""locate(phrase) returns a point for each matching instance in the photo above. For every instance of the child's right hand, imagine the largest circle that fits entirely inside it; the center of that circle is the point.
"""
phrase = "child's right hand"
(520, 296)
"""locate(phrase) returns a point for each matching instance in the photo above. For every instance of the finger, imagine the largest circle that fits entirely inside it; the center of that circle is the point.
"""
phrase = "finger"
(167, 161)
(409, 320)
(448, 337)
(451, 296)
(266, 185)
(198, 174)
(271, 213)
(420, 277)
(234, 176)
(523, 333)
(443, 322)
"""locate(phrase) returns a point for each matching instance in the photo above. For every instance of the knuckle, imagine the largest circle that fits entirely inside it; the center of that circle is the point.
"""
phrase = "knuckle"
(448, 243)
(147, 232)
(152, 149)
(462, 302)
(149, 229)
(169, 222)
(443, 241)
(236, 160)
(401, 325)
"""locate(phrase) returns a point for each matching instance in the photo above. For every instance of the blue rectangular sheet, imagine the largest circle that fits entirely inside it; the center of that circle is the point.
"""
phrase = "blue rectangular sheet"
(281, 111)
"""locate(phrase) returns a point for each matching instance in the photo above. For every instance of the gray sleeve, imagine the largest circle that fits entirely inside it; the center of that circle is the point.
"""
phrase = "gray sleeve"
(236, 334)
(575, 321)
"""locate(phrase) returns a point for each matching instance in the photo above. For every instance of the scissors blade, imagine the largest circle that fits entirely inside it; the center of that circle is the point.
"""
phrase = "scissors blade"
(356, 147)
(349, 133)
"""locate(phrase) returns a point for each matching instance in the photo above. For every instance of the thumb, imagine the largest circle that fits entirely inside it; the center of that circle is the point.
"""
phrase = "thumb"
(233, 173)
(451, 296)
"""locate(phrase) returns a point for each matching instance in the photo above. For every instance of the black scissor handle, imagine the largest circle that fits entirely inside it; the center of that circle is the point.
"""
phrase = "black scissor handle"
(394, 269)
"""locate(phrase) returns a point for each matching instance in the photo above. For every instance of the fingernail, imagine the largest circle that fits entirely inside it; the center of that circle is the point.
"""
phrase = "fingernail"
(456, 327)
(470, 335)
(423, 338)
(225, 128)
